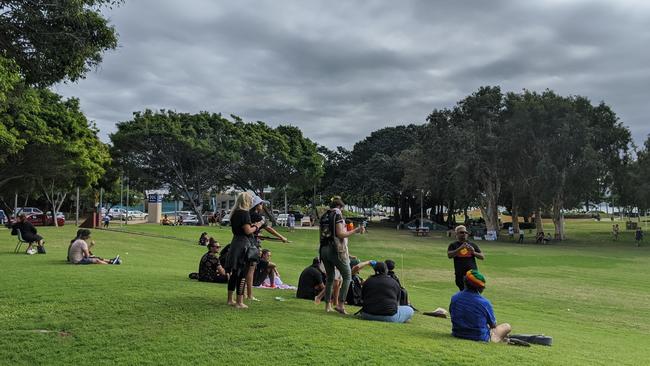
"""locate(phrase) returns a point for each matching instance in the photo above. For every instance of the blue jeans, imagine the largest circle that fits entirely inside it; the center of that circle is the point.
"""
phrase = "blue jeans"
(403, 314)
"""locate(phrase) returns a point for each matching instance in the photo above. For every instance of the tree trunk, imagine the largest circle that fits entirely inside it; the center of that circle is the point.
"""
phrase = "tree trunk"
(515, 215)
(489, 208)
(539, 225)
(558, 216)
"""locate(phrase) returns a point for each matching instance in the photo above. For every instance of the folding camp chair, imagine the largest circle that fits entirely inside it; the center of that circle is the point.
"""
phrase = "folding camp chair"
(20, 241)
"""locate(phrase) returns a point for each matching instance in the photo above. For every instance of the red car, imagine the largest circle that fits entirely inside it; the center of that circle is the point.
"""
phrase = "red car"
(42, 220)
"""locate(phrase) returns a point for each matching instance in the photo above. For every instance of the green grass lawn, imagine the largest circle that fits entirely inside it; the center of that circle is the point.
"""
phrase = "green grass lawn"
(589, 293)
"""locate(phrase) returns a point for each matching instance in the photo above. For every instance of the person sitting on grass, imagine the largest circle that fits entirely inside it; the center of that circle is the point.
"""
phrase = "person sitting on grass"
(28, 233)
(203, 239)
(404, 296)
(265, 269)
(381, 298)
(79, 251)
(310, 282)
(547, 238)
(166, 221)
(210, 269)
(472, 316)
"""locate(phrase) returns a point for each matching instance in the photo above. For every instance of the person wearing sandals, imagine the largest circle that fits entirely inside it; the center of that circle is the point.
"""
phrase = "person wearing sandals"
(237, 262)
(472, 316)
(257, 219)
(334, 252)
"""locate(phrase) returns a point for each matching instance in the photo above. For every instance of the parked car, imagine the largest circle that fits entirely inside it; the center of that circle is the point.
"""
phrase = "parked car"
(58, 214)
(28, 210)
(41, 219)
(135, 214)
(117, 213)
(282, 219)
(190, 220)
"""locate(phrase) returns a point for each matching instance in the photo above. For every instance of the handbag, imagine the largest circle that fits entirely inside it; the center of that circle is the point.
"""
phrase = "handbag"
(252, 253)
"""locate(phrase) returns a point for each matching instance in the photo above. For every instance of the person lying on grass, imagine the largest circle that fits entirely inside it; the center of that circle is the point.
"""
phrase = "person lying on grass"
(79, 251)
(210, 269)
(381, 298)
(472, 316)
(311, 284)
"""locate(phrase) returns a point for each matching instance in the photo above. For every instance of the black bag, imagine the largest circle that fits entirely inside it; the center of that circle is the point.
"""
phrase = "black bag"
(355, 296)
(252, 253)
(194, 276)
(403, 296)
(327, 228)
(40, 249)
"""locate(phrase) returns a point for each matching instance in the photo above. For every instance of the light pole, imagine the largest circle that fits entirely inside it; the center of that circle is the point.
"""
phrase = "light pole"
(421, 208)
(126, 220)
(121, 197)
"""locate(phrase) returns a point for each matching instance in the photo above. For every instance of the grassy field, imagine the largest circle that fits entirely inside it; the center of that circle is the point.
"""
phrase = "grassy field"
(589, 293)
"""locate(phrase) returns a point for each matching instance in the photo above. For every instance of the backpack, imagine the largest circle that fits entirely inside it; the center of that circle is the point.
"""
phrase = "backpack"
(355, 296)
(327, 228)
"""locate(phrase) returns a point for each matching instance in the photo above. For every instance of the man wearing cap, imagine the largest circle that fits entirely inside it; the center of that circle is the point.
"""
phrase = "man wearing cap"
(464, 254)
(472, 316)
(210, 269)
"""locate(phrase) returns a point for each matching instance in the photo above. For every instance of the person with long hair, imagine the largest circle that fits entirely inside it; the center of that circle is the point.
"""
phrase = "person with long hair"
(236, 261)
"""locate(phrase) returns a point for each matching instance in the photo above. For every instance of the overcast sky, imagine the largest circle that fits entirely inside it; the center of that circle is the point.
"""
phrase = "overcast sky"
(340, 70)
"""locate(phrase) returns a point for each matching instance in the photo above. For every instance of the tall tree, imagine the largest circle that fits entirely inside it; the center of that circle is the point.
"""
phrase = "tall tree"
(53, 41)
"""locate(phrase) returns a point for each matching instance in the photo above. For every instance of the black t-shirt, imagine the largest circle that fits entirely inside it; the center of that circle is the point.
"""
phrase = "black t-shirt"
(256, 218)
(464, 260)
(260, 273)
(393, 275)
(380, 295)
(327, 227)
(309, 279)
(208, 267)
(238, 219)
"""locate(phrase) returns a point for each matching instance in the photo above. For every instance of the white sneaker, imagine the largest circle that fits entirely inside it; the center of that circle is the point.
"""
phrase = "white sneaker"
(31, 251)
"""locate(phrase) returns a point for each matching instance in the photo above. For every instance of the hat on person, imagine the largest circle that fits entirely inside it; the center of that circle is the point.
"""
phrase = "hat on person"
(257, 200)
(461, 229)
(354, 262)
(475, 278)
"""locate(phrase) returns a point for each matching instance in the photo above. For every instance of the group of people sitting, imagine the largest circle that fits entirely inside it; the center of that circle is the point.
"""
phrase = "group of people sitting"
(79, 250)
(380, 296)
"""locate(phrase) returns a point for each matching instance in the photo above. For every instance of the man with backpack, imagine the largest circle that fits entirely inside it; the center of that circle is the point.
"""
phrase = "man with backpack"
(334, 251)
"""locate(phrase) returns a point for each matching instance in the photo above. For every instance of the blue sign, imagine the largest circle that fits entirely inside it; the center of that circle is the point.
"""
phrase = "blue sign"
(155, 198)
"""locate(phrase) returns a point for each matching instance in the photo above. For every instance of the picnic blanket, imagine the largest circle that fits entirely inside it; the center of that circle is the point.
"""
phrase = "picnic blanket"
(279, 285)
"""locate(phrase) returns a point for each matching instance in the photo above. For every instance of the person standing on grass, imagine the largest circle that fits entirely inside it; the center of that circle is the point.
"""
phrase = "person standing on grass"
(615, 231)
(638, 235)
(464, 254)
(257, 218)
(236, 260)
(472, 316)
(334, 252)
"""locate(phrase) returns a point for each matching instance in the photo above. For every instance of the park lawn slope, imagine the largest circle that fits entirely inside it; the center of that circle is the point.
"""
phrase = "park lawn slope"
(585, 292)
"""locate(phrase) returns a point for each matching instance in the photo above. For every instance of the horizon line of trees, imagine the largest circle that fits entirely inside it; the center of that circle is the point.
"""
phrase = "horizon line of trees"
(530, 152)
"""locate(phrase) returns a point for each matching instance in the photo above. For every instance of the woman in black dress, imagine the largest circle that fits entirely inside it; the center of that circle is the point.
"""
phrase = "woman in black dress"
(236, 261)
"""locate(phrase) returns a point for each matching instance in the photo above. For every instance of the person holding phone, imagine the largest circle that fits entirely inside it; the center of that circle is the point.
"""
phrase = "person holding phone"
(464, 254)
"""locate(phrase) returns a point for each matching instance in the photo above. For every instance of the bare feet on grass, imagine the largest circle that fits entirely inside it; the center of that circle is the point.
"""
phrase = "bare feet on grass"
(241, 306)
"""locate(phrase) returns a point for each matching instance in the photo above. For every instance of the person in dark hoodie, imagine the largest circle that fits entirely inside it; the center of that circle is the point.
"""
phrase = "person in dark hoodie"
(381, 298)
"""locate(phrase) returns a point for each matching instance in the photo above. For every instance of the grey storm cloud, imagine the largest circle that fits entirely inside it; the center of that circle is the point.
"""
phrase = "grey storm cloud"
(340, 70)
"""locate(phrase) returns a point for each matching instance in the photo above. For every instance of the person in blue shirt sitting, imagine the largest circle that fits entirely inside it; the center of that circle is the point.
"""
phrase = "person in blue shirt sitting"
(472, 316)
